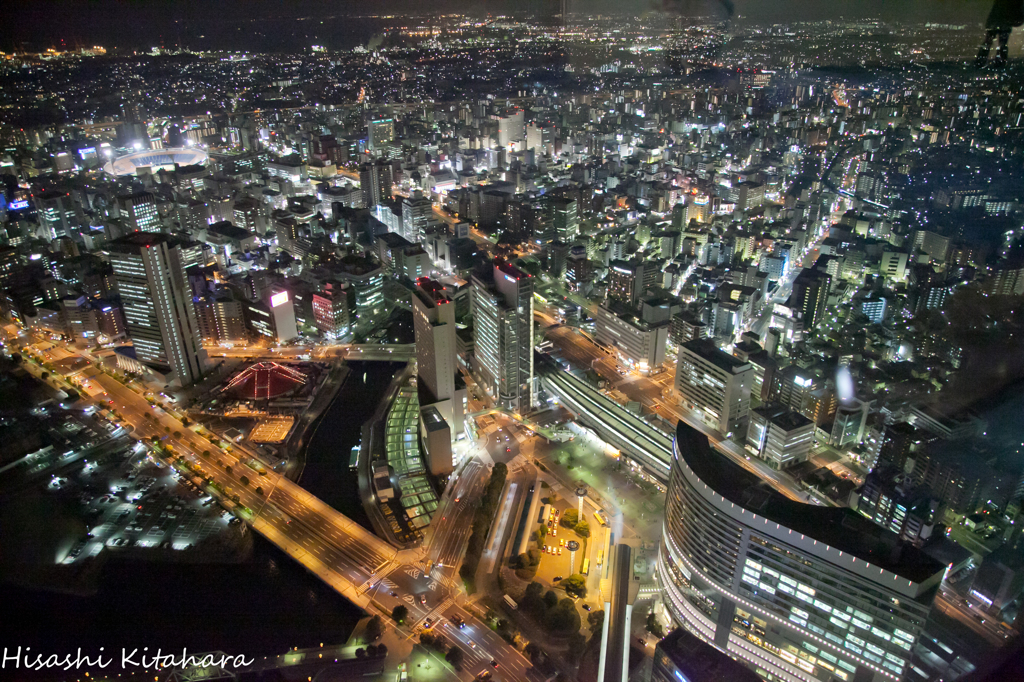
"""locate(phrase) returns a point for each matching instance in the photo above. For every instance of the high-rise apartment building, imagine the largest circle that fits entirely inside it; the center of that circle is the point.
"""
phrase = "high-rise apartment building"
(715, 384)
(333, 310)
(798, 592)
(157, 302)
(810, 296)
(375, 179)
(503, 335)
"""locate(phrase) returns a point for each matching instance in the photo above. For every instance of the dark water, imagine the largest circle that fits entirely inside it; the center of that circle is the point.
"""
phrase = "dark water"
(259, 608)
(327, 474)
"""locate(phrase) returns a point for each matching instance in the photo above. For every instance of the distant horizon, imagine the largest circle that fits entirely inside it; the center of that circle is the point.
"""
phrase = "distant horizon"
(43, 24)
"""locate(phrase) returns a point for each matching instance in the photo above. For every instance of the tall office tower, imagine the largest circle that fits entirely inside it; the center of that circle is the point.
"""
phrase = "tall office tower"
(538, 138)
(798, 592)
(138, 211)
(810, 295)
(715, 384)
(416, 214)
(249, 216)
(56, 214)
(503, 335)
(375, 181)
(565, 219)
(157, 302)
(434, 323)
(382, 131)
(511, 128)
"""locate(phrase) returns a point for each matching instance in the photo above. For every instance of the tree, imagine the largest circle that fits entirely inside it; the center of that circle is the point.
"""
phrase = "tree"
(360, 653)
(595, 621)
(577, 643)
(399, 613)
(551, 599)
(185, 421)
(167, 430)
(382, 651)
(582, 529)
(206, 453)
(455, 656)
(653, 626)
(535, 653)
(542, 533)
(575, 585)
(259, 490)
(44, 376)
(374, 629)
(570, 518)
(177, 434)
(228, 469)
(244, 480)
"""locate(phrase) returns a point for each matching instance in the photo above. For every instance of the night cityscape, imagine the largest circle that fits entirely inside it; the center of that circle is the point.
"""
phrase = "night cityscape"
(539, 340)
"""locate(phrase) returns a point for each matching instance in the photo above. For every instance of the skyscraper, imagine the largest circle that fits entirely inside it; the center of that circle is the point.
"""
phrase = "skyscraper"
(416, 214)
(157, 302)
(434, 325)
(503, 335)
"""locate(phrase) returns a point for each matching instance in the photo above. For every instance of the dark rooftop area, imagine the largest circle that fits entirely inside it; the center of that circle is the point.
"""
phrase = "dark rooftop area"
(838, 527)
(697, 660)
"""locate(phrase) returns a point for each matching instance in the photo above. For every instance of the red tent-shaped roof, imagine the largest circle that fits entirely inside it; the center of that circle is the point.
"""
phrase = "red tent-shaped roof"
(265, 380)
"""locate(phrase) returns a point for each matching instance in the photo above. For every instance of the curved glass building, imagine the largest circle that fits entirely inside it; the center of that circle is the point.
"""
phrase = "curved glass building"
(799, 592)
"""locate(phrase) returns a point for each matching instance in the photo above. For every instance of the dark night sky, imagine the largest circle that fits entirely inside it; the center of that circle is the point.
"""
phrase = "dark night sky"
(37, 24)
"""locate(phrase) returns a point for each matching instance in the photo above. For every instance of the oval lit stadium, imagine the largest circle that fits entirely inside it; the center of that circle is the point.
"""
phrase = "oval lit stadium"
(156, 159)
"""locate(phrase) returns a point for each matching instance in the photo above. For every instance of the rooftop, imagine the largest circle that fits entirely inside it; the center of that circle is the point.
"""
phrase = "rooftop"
(838, 527)
(699, 661)
(706, 349)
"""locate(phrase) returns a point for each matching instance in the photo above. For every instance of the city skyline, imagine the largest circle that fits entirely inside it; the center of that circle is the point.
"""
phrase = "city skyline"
(658, 340)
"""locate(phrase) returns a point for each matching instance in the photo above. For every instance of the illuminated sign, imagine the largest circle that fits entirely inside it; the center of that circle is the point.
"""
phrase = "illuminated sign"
(511, 278)
(18, 205)
(800, 381)
(278, 299)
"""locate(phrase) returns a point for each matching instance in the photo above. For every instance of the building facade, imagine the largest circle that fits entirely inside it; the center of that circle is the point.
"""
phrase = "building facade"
(797, 592)
(715, 384)
(157, 302)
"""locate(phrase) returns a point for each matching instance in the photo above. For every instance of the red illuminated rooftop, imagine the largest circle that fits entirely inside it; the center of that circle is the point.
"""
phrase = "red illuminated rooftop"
(265, 380)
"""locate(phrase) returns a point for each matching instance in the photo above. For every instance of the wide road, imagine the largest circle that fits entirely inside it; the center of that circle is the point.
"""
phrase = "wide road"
(353, 561)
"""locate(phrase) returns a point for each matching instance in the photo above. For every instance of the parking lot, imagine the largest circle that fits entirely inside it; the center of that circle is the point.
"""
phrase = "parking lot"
(130, 500)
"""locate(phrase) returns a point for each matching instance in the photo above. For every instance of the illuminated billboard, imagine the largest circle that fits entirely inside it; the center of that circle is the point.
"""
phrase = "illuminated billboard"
(278, 299)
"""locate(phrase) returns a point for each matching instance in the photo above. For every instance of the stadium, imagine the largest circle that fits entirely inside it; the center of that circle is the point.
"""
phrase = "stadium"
(155, 159)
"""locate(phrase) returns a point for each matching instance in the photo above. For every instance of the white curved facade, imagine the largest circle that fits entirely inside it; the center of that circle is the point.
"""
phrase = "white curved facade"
(156, 158)
(792, 606)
